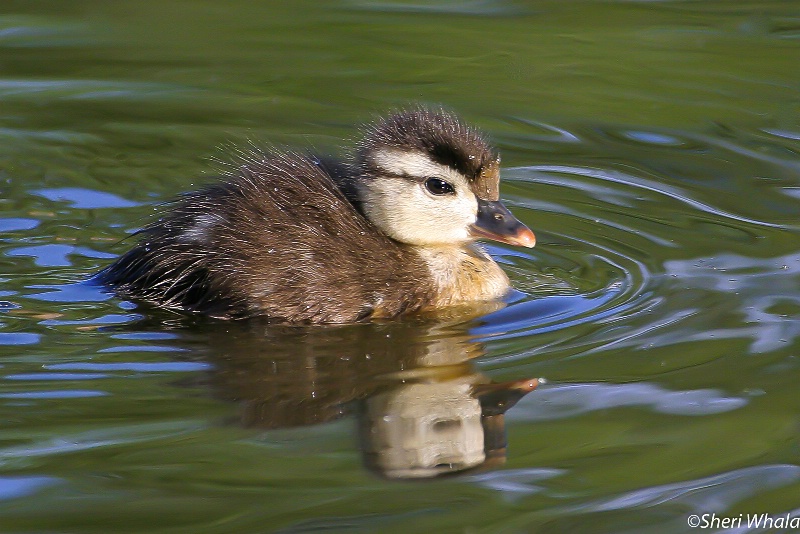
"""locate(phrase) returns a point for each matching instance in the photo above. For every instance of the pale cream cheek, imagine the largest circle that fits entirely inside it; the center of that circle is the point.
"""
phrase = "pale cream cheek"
(447, 219)
(407, 213)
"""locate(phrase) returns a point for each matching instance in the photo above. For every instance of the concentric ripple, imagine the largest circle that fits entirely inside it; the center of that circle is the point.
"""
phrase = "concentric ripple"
(611, 236)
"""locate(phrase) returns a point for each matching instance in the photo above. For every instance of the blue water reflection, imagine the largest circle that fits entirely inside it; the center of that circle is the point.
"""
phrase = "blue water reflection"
(82, 198)
(22, 486)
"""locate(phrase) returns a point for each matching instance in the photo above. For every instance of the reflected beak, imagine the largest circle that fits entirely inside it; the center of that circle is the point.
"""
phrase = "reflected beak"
(497, 223)
(497, 398)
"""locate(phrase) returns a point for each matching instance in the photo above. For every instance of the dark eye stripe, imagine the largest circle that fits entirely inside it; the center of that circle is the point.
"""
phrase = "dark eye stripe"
(437, 187)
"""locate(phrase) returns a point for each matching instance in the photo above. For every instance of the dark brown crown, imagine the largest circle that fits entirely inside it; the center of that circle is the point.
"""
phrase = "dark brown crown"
(444, 138)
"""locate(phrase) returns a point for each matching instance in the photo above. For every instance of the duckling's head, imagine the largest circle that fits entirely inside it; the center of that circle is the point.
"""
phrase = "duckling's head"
(427, 179)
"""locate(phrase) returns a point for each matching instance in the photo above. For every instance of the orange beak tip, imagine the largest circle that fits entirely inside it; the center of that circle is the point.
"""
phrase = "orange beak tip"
(526, 238)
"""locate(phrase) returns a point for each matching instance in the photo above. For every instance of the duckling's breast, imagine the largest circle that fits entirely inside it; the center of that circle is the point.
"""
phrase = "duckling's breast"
(462, 275)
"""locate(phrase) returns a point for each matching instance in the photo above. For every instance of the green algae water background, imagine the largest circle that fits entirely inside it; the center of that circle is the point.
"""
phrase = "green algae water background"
(654, 148)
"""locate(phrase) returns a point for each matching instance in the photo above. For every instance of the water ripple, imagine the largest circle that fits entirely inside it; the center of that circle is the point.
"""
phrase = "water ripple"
(94, 439)
(514, 482)
(631, 181)
(19, 338)
(23, 486)
(56, 376)
(13, 224)
(55, 394)
(77, 292)
(83, 198)
(139, 367)
(570, 400)
(53, 255)
(715, 493)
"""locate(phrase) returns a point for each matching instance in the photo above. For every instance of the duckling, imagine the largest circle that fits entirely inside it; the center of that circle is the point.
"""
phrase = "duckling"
(303, 240)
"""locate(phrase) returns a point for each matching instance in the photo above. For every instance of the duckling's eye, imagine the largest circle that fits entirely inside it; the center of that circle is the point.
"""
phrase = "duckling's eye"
(438, 187)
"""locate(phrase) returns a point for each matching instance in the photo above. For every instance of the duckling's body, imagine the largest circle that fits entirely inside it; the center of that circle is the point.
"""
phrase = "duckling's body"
(299, 240)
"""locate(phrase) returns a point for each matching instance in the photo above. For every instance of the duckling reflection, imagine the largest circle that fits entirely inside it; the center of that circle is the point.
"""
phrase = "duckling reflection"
(439, 425)
(422, 409)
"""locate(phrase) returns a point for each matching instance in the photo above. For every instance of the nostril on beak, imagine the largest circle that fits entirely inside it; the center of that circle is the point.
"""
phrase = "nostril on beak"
(498, 216)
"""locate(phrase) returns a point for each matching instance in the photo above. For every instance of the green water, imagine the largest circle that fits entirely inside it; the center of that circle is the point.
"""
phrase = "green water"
(654, 148)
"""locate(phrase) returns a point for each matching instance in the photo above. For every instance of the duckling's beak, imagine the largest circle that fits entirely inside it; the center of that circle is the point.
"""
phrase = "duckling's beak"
(496, 222)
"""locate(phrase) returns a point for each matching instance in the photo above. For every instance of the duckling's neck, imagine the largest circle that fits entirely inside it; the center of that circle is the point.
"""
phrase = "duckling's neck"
(462, 274)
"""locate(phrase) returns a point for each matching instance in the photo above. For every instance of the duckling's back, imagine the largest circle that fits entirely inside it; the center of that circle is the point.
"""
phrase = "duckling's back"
(279, 240)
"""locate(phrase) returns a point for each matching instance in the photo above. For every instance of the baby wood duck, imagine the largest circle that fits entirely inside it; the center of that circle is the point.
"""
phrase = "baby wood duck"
(297, 239)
